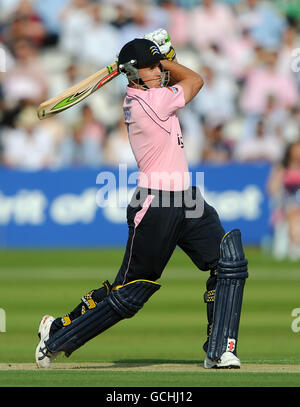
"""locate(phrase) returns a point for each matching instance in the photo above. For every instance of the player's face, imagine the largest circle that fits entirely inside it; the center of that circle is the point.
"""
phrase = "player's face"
(151, 75)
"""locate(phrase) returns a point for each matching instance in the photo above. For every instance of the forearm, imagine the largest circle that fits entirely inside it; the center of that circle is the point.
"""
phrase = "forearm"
(190, 81)
(180, 72)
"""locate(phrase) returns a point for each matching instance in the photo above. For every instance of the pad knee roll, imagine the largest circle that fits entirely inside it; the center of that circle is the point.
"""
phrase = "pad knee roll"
(128, 299)
(232, 263)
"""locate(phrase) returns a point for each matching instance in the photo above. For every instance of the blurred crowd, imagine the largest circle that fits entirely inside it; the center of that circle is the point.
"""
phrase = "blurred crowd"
(248, 52)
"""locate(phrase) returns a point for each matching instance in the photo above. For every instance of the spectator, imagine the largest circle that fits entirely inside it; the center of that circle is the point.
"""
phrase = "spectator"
(217, 98)
(25, 24)
(261, 147)
(265, 80)
(244, 81)
(216, 149)
(90, 127)
(117, 149)
(28, 146)
(27, 80)
(239, 51)
(83, 147)
(292, 125)
(211, 22)
(50, 12)
(215, 58)
(265, 24)
(121, 14)
(178, 24)
(283, 122)
(74, 20)
(275, 118)
(100, 40)
(144, 20)
(284, 190)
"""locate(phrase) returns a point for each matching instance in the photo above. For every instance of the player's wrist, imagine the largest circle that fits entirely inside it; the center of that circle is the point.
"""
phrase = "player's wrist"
(171, 54)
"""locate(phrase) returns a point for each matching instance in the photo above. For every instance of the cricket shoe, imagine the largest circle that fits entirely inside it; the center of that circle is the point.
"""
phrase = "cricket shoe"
(227, 361)
(43, 356)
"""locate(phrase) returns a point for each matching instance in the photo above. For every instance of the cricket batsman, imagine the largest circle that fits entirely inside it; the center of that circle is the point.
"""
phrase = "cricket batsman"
(165, 211)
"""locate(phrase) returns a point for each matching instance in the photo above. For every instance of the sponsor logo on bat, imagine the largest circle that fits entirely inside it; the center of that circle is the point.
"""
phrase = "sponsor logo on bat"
(70, 99)
(106, 79)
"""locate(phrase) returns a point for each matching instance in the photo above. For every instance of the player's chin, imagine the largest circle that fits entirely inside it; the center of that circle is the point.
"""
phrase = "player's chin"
(156, 84)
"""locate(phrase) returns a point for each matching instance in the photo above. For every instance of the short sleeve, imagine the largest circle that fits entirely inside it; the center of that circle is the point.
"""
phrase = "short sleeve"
(167, 100)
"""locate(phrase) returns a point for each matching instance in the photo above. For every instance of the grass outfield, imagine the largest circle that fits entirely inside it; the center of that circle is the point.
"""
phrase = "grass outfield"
(162, 344)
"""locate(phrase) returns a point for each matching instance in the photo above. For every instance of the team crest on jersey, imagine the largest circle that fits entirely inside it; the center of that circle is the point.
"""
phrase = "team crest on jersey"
(154, 50)
(172, 89)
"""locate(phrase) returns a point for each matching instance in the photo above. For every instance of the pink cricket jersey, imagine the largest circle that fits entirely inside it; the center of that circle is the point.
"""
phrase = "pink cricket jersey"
(155, 137)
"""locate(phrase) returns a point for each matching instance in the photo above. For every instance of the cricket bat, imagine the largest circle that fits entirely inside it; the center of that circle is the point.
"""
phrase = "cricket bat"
(77, 92)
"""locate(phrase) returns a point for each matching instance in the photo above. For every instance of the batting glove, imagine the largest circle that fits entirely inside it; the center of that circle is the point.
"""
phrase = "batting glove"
(163, 40)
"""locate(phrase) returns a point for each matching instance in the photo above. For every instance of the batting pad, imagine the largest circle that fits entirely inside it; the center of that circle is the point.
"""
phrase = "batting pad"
(122, 302)
(231, 277)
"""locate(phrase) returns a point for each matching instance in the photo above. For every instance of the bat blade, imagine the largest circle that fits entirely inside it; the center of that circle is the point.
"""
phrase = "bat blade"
(77, 92)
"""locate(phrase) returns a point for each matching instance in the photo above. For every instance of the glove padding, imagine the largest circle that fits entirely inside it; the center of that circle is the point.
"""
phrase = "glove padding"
(162, 40)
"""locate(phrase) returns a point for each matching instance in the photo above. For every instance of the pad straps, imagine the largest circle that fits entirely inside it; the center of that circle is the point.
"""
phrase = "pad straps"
(122, 302)
(232, 272)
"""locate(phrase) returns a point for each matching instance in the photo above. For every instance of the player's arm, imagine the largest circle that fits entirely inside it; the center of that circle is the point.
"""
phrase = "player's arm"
(190, 81)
